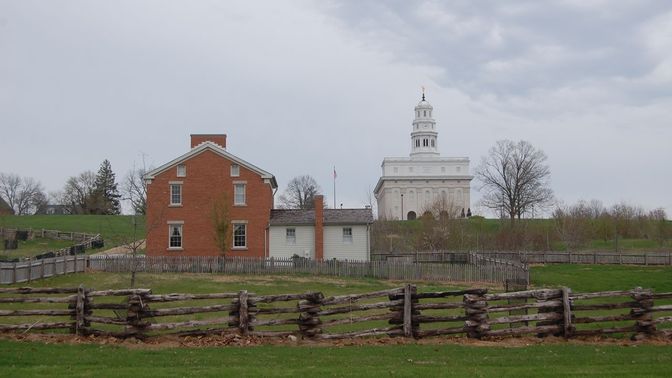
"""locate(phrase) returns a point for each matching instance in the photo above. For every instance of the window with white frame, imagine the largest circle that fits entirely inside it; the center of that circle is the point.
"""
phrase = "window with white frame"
(181, 170)
(290, 235)
(239, 194)
(347, 234)
(175, 236)
(175, 194)
(235, 170)
(239, 235)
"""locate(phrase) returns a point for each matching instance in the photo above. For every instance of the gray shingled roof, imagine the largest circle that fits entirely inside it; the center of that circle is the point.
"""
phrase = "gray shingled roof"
(331, 216)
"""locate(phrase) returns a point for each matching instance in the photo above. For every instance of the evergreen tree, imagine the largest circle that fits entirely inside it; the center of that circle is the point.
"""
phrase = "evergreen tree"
(106, 196)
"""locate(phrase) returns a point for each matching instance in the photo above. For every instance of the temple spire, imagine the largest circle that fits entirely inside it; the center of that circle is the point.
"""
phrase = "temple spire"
(424, 142)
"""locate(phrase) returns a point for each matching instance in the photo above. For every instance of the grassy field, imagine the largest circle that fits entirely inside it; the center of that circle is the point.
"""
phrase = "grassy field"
(590, 278)
(34, 247)
(115, 229)
(581, 278)
(37, 359)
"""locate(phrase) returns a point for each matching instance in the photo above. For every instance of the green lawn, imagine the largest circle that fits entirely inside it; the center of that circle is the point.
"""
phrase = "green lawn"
(590, 278)
(34, 247)
(38, 359)
(115, 229)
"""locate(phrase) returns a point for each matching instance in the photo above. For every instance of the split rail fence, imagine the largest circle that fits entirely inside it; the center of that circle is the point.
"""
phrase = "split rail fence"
(534, 257)
(476, 269)
(403, 311)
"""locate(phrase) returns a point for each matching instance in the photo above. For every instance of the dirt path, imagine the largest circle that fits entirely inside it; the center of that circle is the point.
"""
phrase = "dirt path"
(120, 250)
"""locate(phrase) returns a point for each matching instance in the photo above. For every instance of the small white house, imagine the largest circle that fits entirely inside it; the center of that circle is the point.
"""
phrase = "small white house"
(320, 234)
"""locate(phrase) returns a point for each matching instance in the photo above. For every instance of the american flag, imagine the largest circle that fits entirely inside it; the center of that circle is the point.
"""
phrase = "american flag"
(335, 172)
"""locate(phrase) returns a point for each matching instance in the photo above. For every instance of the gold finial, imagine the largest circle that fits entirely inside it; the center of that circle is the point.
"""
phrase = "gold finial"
(423, 92)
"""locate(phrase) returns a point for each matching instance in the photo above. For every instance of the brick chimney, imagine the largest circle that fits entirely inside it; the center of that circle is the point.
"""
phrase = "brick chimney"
(319, 227)
(219, 139)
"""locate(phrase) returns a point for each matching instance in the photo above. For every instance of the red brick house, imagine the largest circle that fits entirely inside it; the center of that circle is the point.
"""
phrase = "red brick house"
(183, 193)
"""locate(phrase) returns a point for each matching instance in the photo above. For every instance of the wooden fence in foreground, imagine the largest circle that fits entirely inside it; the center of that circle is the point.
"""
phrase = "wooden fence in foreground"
(476, 269)
(403, 311)
(30, 270)
(533, 257)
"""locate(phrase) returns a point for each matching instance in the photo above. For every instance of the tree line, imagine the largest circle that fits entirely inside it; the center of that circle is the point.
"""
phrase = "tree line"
(580, 226)
(86, 193)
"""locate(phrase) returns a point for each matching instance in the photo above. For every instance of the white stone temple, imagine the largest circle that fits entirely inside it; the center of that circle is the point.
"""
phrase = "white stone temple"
(424, 181)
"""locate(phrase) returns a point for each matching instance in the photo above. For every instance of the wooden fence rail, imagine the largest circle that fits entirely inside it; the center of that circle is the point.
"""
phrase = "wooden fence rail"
(532, 257)
(403, 312)
(30, 270)
(476, 269)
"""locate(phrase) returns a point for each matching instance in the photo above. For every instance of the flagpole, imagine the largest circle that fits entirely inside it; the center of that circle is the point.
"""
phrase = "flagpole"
(334, 187)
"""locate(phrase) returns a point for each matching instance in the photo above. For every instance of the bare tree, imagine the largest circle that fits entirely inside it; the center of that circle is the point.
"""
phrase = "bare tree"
(300, 193)
(573, 224)
(515, 179)
(23, 194)
(221, 222)
(135, 190)
(78, 193)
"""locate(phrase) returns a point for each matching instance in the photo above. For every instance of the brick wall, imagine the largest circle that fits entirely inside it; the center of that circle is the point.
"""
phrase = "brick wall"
(208, 177)
(319, 227)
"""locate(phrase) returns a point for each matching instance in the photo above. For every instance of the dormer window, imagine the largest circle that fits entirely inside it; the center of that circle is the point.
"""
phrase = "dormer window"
(181, 170)
(235, 170)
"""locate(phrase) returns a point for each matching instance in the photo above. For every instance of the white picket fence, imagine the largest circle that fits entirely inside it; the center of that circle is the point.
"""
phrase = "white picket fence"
(477, 269)
(533, 257)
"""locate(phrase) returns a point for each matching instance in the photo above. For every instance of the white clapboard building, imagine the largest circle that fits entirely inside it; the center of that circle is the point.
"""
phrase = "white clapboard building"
(320, 234)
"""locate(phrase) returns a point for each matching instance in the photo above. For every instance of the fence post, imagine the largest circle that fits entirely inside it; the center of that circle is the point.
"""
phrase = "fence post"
(309, 321)
(408, 311)
(644, 326)
(567, 313)
(243, 320)
(136, 308)
(80, 310)
(475, 308)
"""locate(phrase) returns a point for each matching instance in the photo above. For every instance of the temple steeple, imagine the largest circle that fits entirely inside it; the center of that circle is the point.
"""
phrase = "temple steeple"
(424, 141)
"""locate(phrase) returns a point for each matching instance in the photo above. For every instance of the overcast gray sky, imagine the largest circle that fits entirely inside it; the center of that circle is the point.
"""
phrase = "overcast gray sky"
(302, 86)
